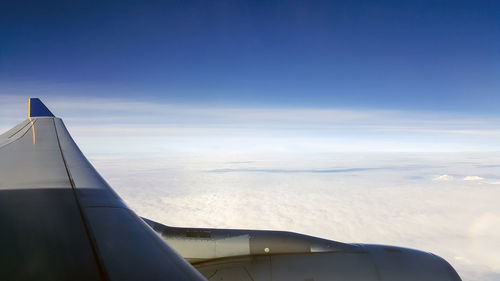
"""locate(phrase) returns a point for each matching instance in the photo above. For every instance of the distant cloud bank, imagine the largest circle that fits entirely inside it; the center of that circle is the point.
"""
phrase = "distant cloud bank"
(473, 178)
(443, 178)
(97, 122)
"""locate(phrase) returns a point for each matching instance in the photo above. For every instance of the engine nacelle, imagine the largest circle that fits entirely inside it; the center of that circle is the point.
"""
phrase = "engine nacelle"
(367, 263)
(257, 255)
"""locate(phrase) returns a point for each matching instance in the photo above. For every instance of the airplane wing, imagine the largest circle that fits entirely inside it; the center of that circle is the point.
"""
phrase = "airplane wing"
(60, 220)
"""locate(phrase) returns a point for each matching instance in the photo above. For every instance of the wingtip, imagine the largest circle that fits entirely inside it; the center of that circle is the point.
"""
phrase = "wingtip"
(36, 108)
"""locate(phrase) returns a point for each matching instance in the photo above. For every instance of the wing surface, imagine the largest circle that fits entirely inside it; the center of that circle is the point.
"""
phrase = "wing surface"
(60, 220)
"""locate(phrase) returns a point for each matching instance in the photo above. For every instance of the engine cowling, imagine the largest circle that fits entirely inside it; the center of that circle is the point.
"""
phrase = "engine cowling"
(367, 263)
(257, 255)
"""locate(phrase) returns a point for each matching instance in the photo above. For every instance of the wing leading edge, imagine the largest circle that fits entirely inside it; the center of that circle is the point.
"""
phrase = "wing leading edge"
(60, 220)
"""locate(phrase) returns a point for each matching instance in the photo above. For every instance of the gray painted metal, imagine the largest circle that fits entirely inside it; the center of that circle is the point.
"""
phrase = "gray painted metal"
(202, 244)
(60, 220)
(260, 255)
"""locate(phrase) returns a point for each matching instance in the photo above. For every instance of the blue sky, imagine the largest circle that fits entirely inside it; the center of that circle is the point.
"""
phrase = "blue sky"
(258, 75)
(406, 55)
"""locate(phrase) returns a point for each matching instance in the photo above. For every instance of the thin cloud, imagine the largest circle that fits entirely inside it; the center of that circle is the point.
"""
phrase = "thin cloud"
(443, 178)
(201, 127)
(473, 178)
(285, 171)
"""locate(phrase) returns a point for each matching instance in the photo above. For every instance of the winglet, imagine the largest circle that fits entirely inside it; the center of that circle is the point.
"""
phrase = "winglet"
(36, 108)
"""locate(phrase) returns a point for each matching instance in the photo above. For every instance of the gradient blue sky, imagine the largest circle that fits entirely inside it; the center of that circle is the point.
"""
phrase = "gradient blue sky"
(407, 55)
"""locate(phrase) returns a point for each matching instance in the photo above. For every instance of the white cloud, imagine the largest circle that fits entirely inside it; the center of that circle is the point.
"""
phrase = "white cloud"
(443, 178)
(473, 178)
(386, 198)
(96, 123)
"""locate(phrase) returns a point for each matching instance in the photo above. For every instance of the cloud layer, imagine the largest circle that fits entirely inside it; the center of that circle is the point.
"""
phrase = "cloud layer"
(397, 201)
(141, 126)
